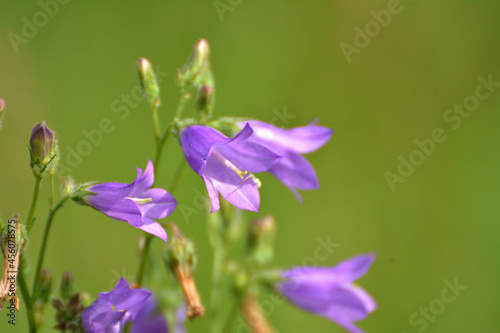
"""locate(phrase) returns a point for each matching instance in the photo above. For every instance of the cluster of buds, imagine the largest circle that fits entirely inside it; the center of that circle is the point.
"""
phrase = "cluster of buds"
(181, 260)
(197, 73)
(43, 148)
(12, 242)
(69, 306)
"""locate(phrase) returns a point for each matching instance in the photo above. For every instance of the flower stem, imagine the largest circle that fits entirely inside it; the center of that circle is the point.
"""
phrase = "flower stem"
(160, 143)
(157, 124)
(219, 269)
(34, 202)
(27, 300)
(41, 254)
(177, 175)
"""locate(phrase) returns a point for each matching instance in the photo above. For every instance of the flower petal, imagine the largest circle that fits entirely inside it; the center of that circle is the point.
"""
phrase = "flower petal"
(143, 181)
(149, 319)
(296, 172)
(154, 228)
(240, 192)
(354, 268)
(212, 194)
(299, 139)
(161, 205)
(196, 142)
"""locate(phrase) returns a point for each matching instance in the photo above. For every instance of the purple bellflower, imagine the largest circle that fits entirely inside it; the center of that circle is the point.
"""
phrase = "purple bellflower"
(112, 310)
(136, 203)
(330, 292)
(293, 169)
(226, 164)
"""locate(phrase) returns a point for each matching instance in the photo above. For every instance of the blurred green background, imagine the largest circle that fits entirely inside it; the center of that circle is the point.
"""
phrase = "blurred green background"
(271, 59)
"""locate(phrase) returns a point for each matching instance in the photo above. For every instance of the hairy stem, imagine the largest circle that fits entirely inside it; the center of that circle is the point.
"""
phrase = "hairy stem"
(34, 202)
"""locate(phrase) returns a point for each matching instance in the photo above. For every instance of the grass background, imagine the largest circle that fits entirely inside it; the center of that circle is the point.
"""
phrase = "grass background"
(440, 224)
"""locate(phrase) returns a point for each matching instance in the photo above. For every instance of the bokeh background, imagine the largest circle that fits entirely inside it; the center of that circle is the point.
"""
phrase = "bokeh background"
(278, 61)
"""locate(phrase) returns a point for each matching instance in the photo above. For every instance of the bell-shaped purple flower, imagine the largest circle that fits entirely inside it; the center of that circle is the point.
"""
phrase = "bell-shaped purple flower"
(136, 203)
(226, 164)
(330, 292)
(112, 310)
(293, 169)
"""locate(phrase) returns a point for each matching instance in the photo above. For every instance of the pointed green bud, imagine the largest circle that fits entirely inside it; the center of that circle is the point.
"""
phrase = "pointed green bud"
(148, 82)
(45, 285)
(66, 288)
(205, 100)
(197, 70)
(42, 146)
(260, 245)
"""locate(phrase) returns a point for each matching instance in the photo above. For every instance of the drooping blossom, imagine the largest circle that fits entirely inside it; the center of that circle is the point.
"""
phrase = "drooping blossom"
(330, 292)
(293, 169)
(135, 203)
(112, 310)
(226, 164)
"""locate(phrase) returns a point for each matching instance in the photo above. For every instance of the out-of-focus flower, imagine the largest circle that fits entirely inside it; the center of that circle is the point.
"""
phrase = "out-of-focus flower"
(293, 169)
(136, 203)
(330, 291)
(112, 310)
(149, 319)
(226, 164)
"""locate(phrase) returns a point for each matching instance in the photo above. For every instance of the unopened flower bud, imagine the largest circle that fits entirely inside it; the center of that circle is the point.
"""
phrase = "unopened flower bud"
(205, 100)
(42, 145)
(66, 288)
(181, 259)
(148, 82)
(197, 69)
(260, 244)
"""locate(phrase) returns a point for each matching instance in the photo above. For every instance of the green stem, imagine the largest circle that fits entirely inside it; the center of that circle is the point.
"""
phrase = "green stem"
(27, 300)
(157, 124)
(51, 197)
(219, 269)
(177, 176)
(232, 316)
(34, 202)
(41, 254)
(160, 143)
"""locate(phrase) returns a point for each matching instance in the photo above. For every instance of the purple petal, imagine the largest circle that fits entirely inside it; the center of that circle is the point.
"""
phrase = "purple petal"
(296, 172)
(149, 319)
(212, 194)
(108, 322)
(161, 205)
(299, 139)
(242, 193)
(122, 210)
(196, 142)
(143, 181)
(354, 268)
(154, 228)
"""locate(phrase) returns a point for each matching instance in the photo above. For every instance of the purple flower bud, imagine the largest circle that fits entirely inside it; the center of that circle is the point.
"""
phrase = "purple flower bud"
(226, 164)
(293, 169)
(41, 144)
(136, 203)
(330, 292)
